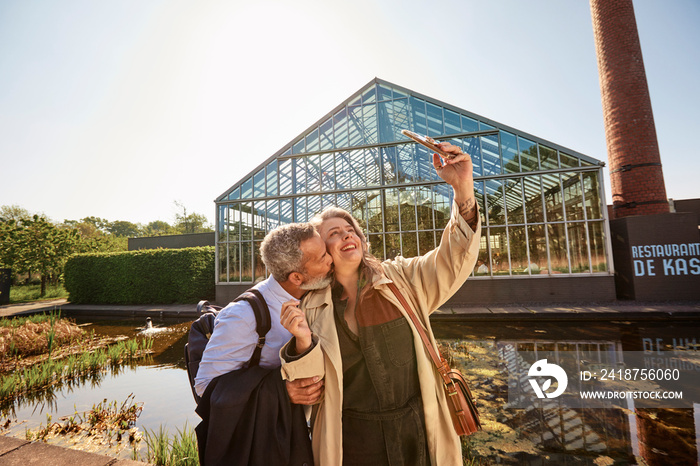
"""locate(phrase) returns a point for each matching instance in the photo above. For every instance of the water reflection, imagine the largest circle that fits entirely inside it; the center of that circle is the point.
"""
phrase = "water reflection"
(551, 432)
(46, 400)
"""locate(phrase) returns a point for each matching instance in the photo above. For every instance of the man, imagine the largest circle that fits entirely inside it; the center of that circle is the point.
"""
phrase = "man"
(296, 257)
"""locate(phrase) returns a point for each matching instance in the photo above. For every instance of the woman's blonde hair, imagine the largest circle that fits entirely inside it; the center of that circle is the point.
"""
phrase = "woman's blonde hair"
(370, 266)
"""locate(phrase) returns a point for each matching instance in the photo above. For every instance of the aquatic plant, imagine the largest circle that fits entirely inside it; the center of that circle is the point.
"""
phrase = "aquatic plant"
(184, 448)
(158, 446)
(18, 321)
(106, 414)
(54, 371)
(36, 334)
(104, 420)
(164, 451)
(51, 334)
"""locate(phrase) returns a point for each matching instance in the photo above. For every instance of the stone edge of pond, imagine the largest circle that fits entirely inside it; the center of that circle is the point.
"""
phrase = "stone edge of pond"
(627, 310)
(14, 451)
(634, 311)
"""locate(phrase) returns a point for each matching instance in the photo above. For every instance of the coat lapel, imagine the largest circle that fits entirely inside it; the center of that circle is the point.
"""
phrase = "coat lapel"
(319, 312)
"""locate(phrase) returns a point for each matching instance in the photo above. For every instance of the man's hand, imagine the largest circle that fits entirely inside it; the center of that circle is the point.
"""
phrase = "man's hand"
(293, 319)
(305, 391)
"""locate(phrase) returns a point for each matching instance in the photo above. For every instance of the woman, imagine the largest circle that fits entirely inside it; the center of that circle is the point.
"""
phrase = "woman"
(383, 402)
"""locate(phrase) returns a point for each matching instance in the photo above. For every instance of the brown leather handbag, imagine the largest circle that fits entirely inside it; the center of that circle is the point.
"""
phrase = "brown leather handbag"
(460, 402)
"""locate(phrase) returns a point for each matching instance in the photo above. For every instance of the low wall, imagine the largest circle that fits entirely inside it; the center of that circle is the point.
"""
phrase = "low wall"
(549, 289)
(192, 240)
(487, 291)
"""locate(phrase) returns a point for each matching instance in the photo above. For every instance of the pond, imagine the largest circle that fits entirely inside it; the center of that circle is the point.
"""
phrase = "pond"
(551, 434)
(557, 432)
(159, 382)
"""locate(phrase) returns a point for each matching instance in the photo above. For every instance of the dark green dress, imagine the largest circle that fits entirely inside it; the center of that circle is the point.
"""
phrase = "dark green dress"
(383, 420)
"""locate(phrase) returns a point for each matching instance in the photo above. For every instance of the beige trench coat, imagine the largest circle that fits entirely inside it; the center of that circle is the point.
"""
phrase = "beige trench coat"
(426, 282)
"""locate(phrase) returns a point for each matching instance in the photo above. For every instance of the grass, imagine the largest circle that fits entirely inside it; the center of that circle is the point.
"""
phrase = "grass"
(42, 351)
(36, 334)
(164, 451)
(107, 420)
(18, 321)
(29, 293)
(75, 366)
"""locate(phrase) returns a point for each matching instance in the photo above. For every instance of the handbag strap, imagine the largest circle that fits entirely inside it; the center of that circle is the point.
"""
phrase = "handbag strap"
(439, 362)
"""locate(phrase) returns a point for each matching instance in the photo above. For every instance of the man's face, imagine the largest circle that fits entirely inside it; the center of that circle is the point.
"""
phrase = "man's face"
(317, 264)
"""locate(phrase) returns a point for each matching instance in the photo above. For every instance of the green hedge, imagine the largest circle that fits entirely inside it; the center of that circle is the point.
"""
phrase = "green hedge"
(147, 276)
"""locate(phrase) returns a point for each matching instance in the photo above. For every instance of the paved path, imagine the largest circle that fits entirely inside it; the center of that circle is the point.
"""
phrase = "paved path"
(30, 308)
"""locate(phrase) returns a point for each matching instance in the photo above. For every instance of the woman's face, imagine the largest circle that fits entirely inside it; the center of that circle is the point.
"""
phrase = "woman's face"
(342, 243)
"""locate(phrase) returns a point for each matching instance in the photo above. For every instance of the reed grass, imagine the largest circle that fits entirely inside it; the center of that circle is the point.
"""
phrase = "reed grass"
(158, 446)
(53, 371)
(110, 414)
(51, 334)
(36, 334)
(184, 449)
(18, 321)
(104, 419)
(181, 450)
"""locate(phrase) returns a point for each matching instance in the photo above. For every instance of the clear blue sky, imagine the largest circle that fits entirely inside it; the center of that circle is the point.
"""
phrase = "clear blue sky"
(118, 108)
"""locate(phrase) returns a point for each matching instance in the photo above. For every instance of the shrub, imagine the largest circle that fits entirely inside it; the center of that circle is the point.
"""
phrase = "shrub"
(151, 276)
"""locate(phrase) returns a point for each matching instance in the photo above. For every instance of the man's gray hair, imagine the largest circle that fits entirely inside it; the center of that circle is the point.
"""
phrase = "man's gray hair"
(281, 249)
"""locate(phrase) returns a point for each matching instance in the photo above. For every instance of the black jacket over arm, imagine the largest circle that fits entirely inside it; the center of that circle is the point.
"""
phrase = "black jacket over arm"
(247, 419)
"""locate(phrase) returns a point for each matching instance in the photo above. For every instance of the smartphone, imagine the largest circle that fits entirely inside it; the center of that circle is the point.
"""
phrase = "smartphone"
(428, 142)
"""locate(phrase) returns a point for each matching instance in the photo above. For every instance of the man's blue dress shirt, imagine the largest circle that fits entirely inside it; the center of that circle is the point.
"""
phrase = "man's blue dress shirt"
(234, 338)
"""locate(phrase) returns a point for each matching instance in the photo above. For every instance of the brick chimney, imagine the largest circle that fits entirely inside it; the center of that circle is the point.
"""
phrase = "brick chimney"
(636, 176)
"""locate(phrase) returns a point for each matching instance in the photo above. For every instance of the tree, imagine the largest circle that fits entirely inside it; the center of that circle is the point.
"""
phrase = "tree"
(86, 229)
(43, 248)
(97, 222)
(14, 212)
(158, 228)
(124, 228)
(31, 244)
(8, 243)
(94, 239)
(192, 223)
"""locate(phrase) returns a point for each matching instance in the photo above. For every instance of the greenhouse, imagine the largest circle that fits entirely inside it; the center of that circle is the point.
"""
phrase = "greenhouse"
(542, 205)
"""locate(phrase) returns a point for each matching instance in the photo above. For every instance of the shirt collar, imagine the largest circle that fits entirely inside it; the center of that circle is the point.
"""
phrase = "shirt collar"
(274, 291)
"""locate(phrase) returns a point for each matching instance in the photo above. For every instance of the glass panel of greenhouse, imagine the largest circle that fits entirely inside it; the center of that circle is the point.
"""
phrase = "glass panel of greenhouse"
(542, 205)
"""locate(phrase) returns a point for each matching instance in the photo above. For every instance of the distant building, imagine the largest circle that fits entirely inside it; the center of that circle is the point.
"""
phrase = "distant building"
(545, 234)
(189, 240)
